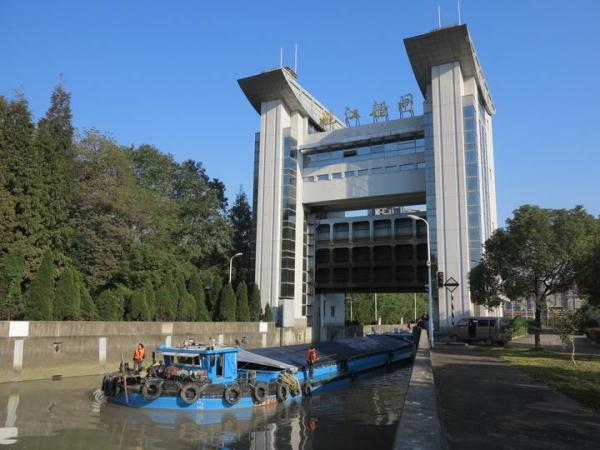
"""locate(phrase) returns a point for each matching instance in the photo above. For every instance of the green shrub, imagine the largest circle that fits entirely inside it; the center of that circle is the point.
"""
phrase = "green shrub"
(227, 301)
(268, 315)
(519, 327)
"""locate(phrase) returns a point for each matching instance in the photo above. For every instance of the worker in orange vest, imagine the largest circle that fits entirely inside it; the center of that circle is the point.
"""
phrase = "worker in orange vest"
(311, 358)
(138, 357)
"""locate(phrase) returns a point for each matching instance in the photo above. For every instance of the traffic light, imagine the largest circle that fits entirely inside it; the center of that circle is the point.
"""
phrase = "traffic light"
(440, 279)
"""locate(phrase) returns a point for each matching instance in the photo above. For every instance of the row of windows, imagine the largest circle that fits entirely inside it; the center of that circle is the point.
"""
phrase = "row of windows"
(363, 172)
(379, 253)
(384, 275)
(364, 153)
(361, 230)
(472, 174)
(288, 220)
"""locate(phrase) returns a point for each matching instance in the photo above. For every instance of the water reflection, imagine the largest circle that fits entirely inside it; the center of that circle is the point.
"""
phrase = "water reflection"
(66, 415)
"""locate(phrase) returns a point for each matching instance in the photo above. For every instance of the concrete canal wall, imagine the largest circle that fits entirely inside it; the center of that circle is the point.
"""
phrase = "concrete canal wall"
(41, 350)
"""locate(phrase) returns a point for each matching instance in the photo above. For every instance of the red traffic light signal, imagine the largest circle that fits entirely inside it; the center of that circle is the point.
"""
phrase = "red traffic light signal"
(440, 279)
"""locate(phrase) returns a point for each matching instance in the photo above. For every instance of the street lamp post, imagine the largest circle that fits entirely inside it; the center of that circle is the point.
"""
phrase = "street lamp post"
(231, 264)
(415, 296)
(430, 321)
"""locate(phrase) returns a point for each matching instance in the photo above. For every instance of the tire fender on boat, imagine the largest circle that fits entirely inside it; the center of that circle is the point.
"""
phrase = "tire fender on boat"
(260, 392)
(282, 392)
(189, 393)
(152, 389)
(307, 390)
(232, 394)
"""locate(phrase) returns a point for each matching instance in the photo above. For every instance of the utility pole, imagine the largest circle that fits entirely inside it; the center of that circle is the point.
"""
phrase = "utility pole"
(415, 294)
(376, 315)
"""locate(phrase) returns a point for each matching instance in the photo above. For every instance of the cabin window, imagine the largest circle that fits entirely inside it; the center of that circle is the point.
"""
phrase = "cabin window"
(220, 365)
(483, 323)
(190, 360)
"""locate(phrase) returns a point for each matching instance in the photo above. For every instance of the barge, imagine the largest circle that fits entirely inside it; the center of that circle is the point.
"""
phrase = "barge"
(205, 377)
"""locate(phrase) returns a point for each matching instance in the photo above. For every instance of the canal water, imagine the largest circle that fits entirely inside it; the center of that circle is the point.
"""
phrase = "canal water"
(65, 415)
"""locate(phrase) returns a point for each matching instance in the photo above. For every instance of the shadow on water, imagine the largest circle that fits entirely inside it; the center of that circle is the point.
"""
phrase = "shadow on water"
(66, 415)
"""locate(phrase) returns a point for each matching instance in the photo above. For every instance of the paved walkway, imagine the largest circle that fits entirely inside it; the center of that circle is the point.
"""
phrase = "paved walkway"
(486, 403)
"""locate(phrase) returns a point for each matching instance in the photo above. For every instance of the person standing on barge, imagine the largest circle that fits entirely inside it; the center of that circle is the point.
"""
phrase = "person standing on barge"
(138, 357)
(311, 358)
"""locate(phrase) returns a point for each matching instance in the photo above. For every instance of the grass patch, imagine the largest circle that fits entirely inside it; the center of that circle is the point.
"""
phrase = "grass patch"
(581, 383)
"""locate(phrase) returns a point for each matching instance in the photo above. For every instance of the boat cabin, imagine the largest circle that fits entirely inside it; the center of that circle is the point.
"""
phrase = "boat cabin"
(218, 364)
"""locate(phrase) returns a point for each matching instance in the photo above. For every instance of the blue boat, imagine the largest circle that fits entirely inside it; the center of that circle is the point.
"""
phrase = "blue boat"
(205, 377)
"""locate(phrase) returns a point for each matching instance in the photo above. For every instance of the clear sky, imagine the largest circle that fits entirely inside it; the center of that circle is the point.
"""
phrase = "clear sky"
(164, 73)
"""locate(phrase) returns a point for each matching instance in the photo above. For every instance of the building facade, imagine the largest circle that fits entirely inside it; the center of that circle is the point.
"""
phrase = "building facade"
(311, 169)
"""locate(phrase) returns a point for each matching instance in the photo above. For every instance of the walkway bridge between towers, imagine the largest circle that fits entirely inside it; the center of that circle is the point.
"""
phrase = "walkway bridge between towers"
(378, 253)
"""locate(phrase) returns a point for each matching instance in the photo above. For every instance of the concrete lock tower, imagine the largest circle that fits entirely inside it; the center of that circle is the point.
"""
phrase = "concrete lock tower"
(311, 169)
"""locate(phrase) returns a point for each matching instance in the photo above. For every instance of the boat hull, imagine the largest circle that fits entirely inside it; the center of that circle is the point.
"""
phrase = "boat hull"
(328, 376)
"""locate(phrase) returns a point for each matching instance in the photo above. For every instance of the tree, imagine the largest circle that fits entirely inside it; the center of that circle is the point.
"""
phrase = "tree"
(139, 308)
(88, 307)
(242, 313)
(11, 274)
(150, 299)
(26, 193)
(255, 307)
(39, 299)
(67, 300)
(227, 301)
(165, 300)
(203, 230)
(108, 306)
(214, 296)
(268, 315)
(240, 216)
(533, 257)
(587, 275)
(568, 323)
(54, 141)
(196, 289)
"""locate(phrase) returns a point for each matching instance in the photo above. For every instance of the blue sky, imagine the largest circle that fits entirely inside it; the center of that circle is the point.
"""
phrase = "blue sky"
(164, 73)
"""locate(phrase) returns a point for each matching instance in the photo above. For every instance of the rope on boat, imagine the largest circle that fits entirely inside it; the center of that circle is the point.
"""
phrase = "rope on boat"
(290, 381)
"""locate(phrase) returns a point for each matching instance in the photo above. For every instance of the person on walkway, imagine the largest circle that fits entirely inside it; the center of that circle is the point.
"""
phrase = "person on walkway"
(138, 357)
(311, 358)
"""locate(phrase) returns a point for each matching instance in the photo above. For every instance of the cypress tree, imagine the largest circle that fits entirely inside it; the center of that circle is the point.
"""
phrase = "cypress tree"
(196, 289)
(108, 306)
(40, 296)
(67, 301)
(150, 299)
(215, 296)
(88, 307)
(139, 307)
(11, 274)
(186, 307)
(54, 141)
(268, 315)
(165, 300)
(189, 308)
(255, 308)
(227, 303)
(242, 313)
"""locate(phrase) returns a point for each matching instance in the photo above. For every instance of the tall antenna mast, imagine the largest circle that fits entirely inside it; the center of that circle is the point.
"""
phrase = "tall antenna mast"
(439, 17)
(458, 4)
(280, 56)
(296, 59)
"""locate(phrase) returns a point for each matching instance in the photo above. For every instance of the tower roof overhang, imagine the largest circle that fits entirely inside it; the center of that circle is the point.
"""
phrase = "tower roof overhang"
(443, 46)
(281, 84)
